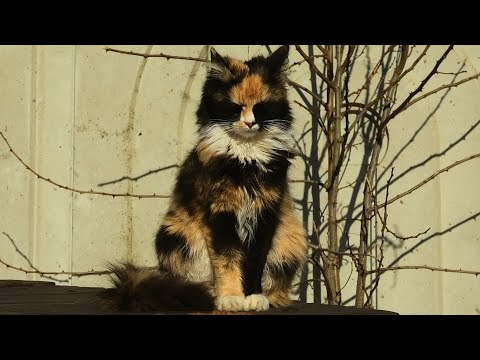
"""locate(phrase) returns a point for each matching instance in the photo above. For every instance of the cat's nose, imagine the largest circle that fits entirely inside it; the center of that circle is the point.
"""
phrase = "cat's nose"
(249, 124)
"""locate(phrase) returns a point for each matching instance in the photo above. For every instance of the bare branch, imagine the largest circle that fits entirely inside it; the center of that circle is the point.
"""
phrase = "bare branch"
(424, 267)
(72, 273)
(435, 91)
(350, 52)
(317, 116)
(406, 102)
(414, 64)
(382, 242)
(315, 182)
(350, 254)
(451, 73)
(92, 192)
(314, 67)
(310, 92)
(372, 74)
(433, 176)
(407, 237)
(368, 197)
(304, 60)
(161, 55)
(322, 49)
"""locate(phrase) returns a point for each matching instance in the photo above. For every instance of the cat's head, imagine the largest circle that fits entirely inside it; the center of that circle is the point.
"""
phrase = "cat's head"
(246, 98)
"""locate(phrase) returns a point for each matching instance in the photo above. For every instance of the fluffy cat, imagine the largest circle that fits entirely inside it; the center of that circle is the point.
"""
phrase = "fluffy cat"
(230, 239)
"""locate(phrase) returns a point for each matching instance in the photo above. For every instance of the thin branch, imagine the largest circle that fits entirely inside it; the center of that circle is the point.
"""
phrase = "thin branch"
(350, 52)
(308, 281)
(317, 116)
(382, 242)
(351, 254)
(429, 179)
(304, 60)
(417, 60)
(310, 92)
(161, 55)
(315, 182)
(393, 83)
(370, 177)
(322, 49)
(349, 277)
(406, 102)
(92, 192)
(399, 110)
(372, 74)
(407, 237)
(72, 273)
(314, 67)
(451, 73)
(423, 267)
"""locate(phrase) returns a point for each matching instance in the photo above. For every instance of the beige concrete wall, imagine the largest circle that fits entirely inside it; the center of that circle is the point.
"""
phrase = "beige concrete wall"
(88, 119)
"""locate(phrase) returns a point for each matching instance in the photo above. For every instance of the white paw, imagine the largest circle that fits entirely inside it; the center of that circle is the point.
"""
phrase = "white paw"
(256, 302)
(231, 303)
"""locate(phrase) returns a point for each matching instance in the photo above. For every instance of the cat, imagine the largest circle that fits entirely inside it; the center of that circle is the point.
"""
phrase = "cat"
(230, 239)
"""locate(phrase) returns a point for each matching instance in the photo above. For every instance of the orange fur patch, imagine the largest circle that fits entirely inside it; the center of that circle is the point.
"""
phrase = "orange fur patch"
(204, 152)
(190, 226)
(279, 296)
(228, 276)
(228, 197)
(139, 276)
(250, 91)
(266, 197)
(236, 65)
(196, 234)
(289, 243)
(174, 262)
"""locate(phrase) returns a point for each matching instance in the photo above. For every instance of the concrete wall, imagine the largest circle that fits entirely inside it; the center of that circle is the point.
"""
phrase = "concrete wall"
(88, 119)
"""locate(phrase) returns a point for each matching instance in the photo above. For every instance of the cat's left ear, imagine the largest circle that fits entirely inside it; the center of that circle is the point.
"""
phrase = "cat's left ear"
(279, 57)
(219, 66)
(216, 58)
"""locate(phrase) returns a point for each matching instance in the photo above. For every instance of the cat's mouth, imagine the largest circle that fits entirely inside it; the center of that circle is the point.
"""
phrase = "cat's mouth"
(245, 129)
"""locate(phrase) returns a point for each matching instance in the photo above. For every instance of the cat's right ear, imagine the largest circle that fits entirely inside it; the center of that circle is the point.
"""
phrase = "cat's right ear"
(216, 58)
(219, 66)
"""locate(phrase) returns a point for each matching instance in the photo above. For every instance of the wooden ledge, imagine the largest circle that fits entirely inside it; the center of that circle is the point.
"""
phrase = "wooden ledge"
(45, 298)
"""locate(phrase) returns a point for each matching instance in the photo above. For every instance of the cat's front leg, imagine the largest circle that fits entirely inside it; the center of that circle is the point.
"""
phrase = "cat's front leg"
(226, 259)
(256, 256)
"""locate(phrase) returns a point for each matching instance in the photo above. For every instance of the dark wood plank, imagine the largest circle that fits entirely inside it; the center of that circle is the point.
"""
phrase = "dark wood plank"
(16, 283)
(46, 298)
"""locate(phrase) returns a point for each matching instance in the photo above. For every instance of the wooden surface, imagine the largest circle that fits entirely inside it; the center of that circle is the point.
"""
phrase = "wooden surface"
(46, 298)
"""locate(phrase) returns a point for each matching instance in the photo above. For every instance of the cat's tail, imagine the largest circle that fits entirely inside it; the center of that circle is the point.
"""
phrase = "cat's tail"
(145, 290)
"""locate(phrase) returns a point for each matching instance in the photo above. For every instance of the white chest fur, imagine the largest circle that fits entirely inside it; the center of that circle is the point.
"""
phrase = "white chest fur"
(247, 219)
(260, 149)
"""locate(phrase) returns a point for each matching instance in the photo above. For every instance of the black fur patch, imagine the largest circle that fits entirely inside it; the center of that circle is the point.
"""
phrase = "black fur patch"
(284, 274)
(166, 243)
(224, 234)
(154, 293)
(257, 249)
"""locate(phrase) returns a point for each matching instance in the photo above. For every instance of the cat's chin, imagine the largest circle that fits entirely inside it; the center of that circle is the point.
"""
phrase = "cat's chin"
(247, 133)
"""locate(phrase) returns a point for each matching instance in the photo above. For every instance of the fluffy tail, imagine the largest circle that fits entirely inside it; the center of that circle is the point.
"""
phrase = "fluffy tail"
(143, 290)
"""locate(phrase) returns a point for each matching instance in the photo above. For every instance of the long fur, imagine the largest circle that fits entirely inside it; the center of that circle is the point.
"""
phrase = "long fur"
(143, 290)
(230, 239)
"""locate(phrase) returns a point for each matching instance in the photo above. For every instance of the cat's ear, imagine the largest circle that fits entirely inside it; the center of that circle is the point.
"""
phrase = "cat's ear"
(279, 58)
(216, 58)
(219, 66)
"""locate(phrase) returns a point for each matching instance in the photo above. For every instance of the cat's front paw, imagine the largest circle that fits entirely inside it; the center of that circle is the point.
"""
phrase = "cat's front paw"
(256, 302)
(231, 303)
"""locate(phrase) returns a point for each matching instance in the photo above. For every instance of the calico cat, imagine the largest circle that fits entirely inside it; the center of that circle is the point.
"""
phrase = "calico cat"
(231, 239)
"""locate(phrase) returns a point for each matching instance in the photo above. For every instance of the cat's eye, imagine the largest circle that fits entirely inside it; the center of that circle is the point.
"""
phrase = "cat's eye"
(269, 110)
(227, 110)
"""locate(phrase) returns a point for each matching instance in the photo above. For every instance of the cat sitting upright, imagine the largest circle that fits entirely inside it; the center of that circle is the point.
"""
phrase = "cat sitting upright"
(231, 239)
